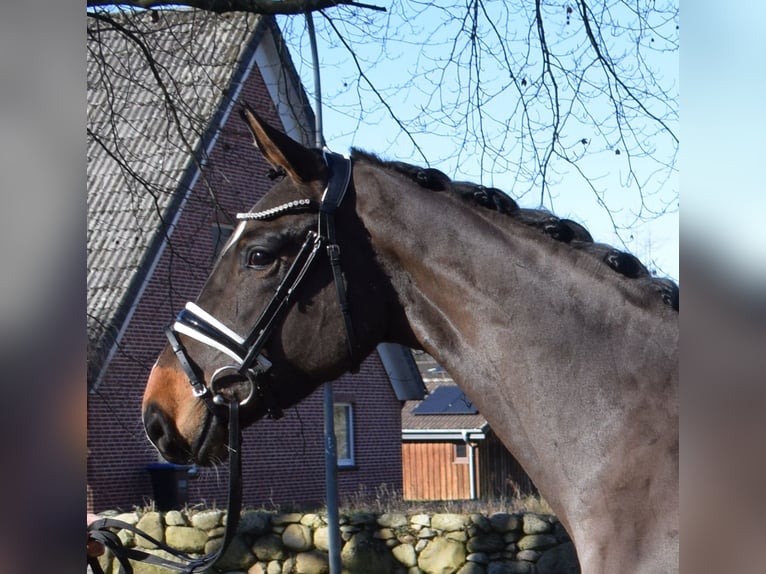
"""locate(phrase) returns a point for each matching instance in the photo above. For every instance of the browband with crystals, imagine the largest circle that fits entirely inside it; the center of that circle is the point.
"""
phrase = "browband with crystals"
(297, 205)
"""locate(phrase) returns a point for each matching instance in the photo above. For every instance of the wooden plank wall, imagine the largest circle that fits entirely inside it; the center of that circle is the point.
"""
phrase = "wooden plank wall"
(431, 473)
(501, 474)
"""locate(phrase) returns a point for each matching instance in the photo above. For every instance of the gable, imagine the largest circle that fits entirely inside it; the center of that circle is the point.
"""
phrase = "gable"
(142, 150)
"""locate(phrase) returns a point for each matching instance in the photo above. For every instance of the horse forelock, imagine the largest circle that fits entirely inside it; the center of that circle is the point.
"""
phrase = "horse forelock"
(562, 230)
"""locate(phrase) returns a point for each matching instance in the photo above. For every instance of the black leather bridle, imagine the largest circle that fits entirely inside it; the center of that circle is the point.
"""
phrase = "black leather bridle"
(250, 363)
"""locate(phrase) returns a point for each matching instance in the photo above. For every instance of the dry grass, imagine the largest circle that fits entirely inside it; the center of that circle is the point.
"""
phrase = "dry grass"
(384, 499)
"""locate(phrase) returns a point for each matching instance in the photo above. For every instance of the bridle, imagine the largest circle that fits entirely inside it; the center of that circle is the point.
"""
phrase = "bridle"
(250, 363)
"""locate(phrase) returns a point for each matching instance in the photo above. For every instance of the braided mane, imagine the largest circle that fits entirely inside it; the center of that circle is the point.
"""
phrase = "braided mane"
(559, 229)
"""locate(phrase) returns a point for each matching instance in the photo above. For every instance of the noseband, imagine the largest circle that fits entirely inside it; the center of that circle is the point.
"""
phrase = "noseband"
(250, 363)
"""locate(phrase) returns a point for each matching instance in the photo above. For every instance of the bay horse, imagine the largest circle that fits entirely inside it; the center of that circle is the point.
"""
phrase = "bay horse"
(568, 348)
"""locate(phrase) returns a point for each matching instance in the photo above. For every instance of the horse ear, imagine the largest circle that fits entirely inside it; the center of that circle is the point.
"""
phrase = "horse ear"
(300, 163)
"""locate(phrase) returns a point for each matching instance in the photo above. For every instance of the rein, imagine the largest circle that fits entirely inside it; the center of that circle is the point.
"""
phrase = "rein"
(196, 323)
(99, 529)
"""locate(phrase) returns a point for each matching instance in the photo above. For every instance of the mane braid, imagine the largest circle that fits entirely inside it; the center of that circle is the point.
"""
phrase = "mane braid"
(559, 229)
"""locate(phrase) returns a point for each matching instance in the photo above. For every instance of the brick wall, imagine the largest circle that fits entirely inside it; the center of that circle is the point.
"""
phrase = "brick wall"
(283, 460)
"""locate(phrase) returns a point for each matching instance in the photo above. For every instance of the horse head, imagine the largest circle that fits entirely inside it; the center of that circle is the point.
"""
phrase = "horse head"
(273, 320)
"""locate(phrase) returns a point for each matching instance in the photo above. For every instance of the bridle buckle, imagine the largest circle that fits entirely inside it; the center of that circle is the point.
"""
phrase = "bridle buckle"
(333, 251)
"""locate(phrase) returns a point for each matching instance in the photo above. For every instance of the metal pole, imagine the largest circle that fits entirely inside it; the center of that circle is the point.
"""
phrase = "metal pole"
(331, 474)
(319, 136)
(330, 453)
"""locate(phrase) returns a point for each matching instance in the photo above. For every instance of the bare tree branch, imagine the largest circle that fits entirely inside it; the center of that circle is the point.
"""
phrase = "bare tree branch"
(553, 91)
(584, 10)
(544, 100)
(254, 6)
(373, 88)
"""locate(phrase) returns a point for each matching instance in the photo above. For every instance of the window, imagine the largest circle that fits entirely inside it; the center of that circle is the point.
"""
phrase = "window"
(461, 453)
(344, 433)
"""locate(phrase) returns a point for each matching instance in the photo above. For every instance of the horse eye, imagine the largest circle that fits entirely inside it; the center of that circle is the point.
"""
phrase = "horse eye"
(259, 258)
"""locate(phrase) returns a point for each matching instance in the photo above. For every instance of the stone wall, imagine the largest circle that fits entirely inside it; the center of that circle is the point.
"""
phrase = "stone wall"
(297, 543)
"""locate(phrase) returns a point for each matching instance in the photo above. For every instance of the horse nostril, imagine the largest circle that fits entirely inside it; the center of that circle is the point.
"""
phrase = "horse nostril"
(163, 434)
(154, 423)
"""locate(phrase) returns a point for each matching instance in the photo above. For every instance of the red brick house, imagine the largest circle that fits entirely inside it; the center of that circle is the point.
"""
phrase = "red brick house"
(449, 452)
(168, 166)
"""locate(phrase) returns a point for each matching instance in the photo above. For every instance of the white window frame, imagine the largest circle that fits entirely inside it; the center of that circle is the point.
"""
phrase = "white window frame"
(348, 417)
(457, 459)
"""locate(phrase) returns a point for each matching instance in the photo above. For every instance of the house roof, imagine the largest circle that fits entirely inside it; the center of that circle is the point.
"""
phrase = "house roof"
(440, 425)
(139, 145)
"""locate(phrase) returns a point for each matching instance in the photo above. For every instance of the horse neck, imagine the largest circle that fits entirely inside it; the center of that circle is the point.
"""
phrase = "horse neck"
(454, 267)
(543, 339)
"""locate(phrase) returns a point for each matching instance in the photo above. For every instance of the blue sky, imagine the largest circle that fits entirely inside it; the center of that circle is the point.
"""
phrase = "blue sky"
(395, 62)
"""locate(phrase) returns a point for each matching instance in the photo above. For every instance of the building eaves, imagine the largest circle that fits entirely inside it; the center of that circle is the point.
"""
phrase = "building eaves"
(402, 371)
(447, 434)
